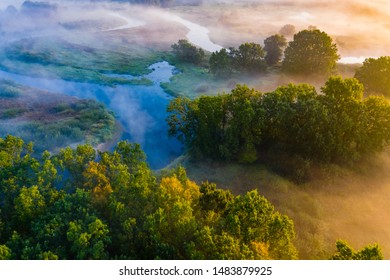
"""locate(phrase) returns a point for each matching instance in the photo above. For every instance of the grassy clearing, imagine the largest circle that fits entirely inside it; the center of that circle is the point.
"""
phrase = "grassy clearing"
(55, 58)
(335, 203)
(193, 80)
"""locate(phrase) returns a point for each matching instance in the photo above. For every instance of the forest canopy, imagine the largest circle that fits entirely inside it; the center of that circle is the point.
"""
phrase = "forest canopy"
(337, 126)
(81, 204)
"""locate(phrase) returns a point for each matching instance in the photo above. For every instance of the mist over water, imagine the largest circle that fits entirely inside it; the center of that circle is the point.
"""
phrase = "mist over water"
(353, 209)
(130, 22)
(197, 35)
(141, 110)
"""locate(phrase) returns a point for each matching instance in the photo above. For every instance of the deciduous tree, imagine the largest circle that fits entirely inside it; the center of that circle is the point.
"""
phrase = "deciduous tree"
(187, 52)
(374, 74)
(273, 47)
(311, 52)
(346, 252)
(221, 64)
(248, 58)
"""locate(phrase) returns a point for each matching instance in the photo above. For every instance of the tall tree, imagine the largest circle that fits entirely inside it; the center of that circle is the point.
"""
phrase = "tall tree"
(311, 52)
(253, 219)
(221, 64)
(248, 58)
(244, 124)
(374, 74)
(273, 47)
(337, 126)
(187, 52)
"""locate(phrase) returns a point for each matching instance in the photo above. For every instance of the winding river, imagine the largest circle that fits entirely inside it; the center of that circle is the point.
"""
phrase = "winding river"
(197, 35)
(141, 110)
(130, 22)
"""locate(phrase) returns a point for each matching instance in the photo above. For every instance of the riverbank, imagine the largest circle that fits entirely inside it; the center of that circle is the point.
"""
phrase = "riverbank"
(54, 58)
(140, 109)
(53, 120)
(116, 137)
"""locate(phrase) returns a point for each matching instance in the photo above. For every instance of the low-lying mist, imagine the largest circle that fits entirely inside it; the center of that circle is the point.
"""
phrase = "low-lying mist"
(360, 28)
(75, 49)
(336, 203)
(351, 207)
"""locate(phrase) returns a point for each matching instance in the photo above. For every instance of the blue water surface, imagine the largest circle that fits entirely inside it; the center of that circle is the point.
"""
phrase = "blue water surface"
(140, 109)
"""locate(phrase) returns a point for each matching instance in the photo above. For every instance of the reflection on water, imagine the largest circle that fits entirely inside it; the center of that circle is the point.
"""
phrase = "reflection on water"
(140, 109)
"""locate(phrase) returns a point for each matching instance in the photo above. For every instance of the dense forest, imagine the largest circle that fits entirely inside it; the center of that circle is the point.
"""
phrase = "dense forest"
(337, 126)
(83, 205)
(80, 204)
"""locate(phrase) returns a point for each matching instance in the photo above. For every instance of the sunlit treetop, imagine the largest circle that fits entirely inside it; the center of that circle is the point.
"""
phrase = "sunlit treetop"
(374, 74)
(311, 52)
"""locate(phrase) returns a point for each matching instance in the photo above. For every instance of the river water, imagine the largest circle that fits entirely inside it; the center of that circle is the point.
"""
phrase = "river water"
(130, 23)
(141, 110)
(197, 34)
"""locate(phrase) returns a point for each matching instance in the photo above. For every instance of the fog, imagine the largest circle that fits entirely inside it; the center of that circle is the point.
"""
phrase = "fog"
(360, 29)
(90, 27)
